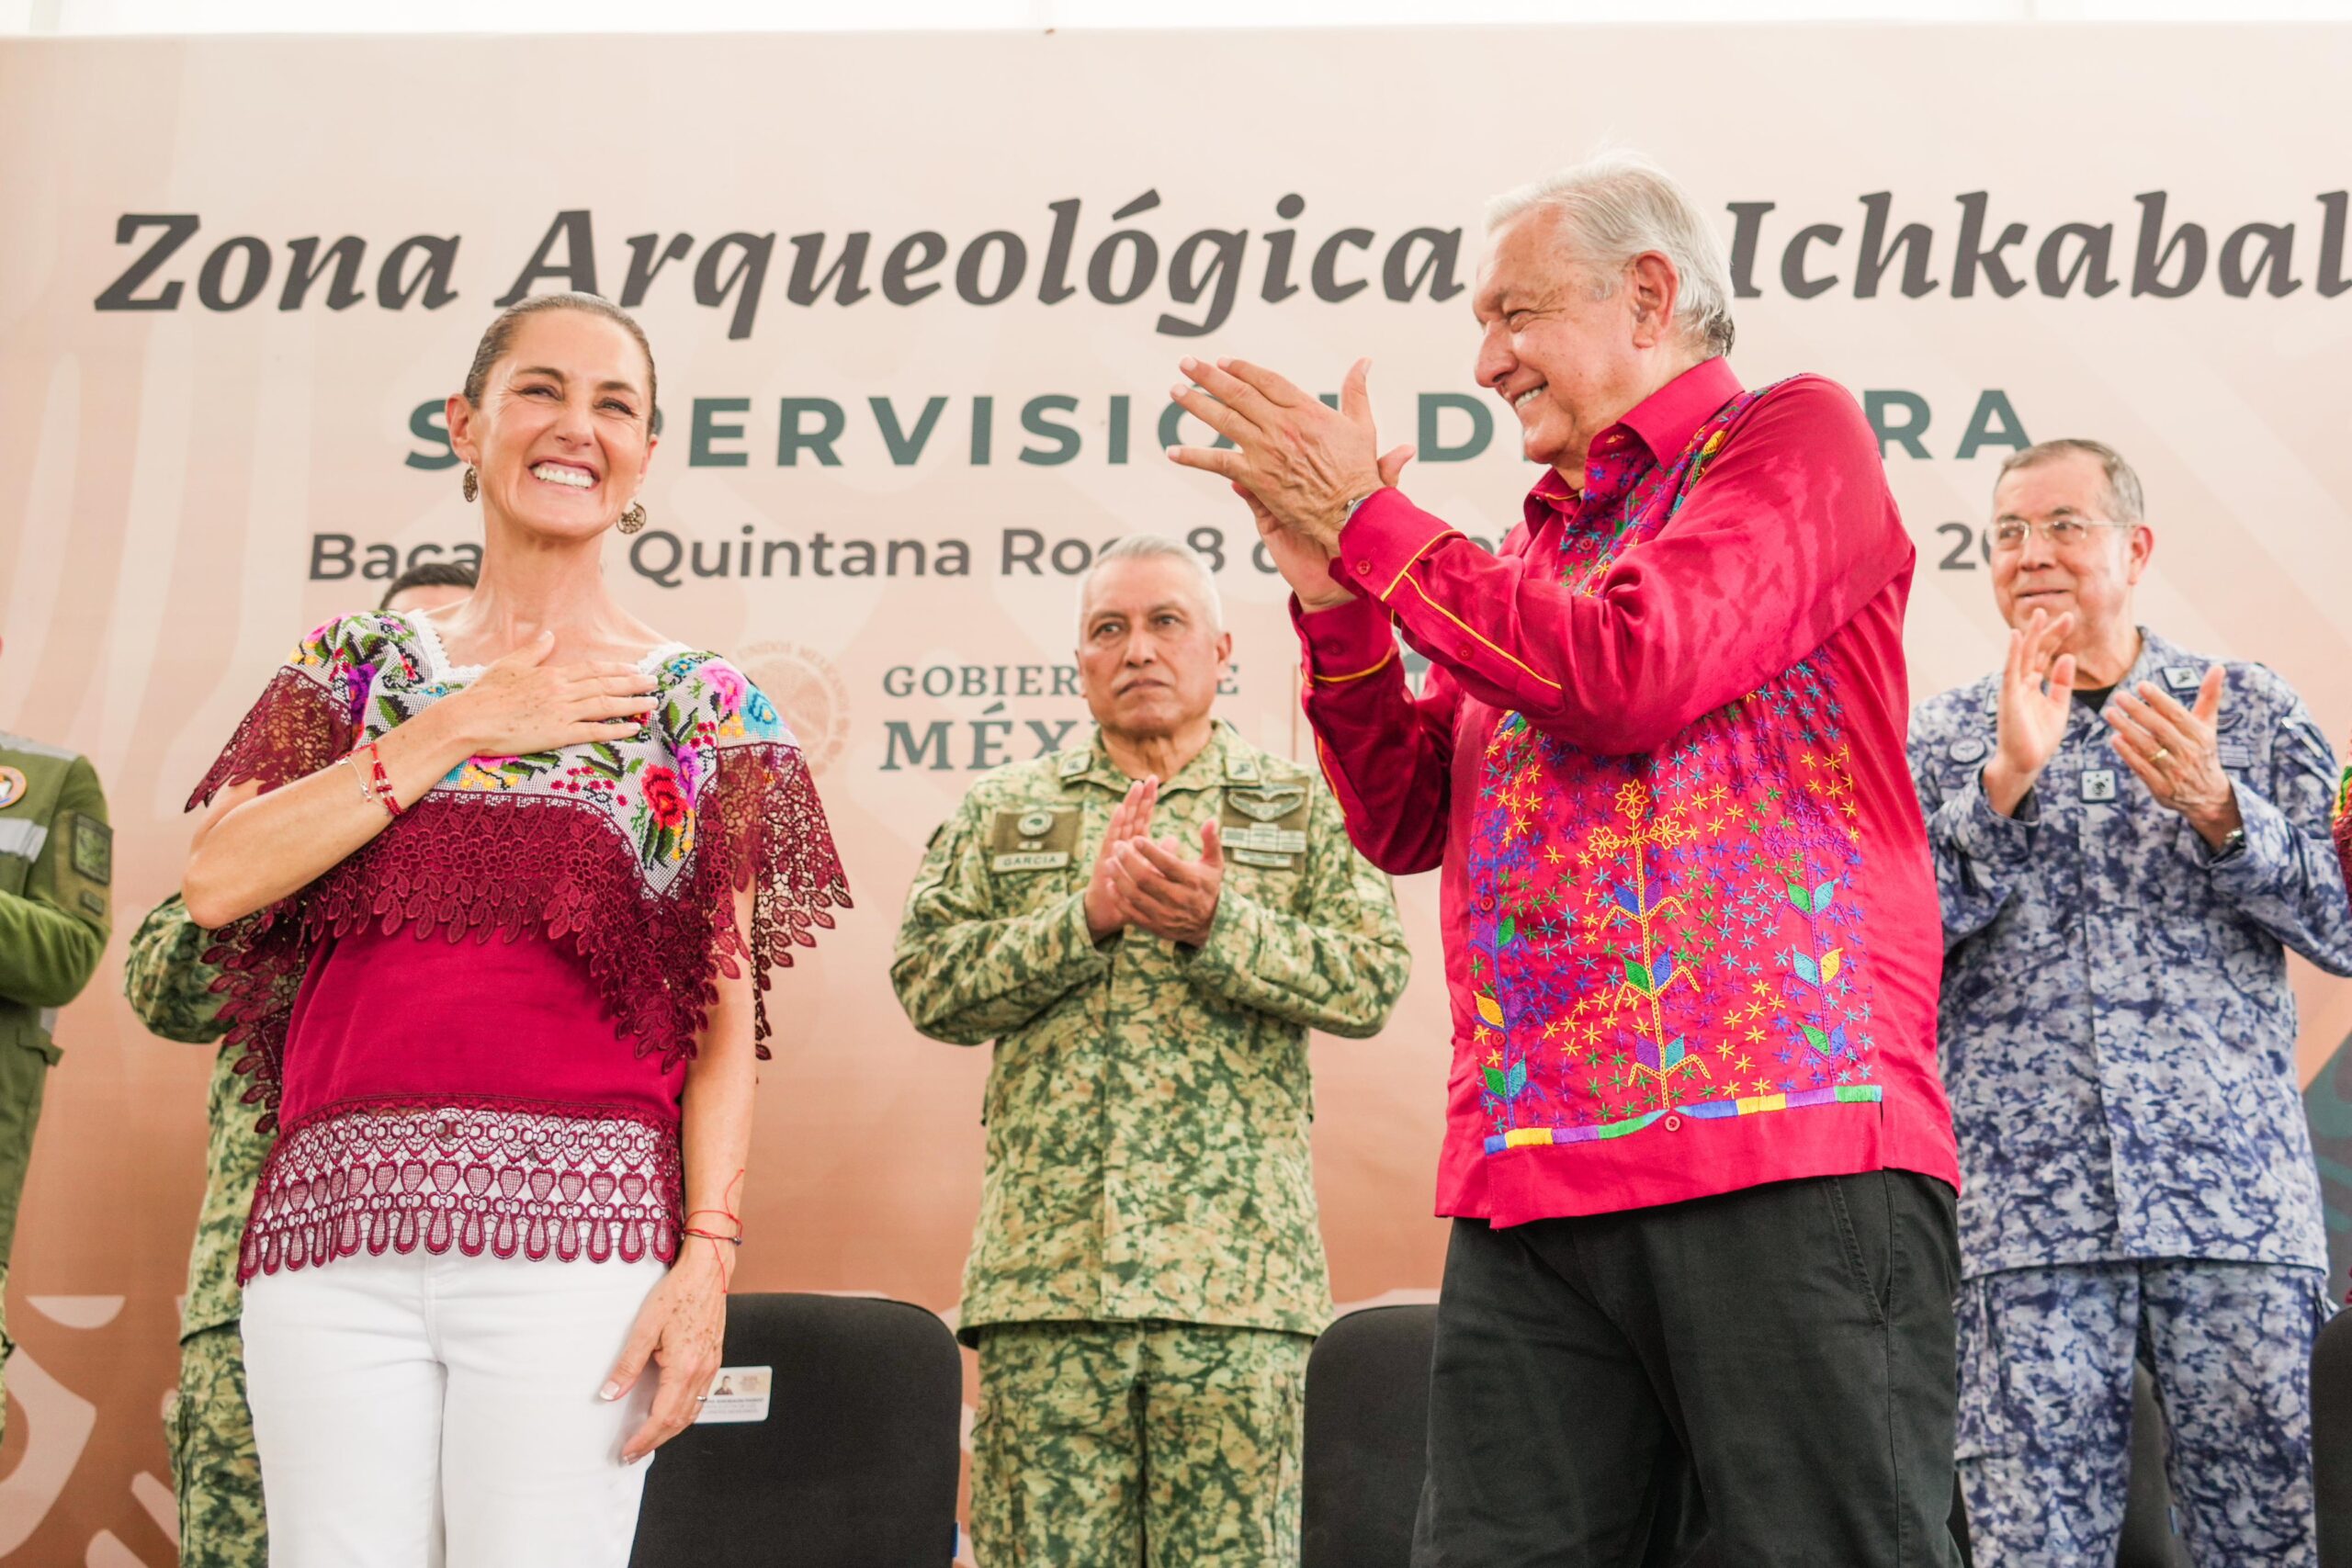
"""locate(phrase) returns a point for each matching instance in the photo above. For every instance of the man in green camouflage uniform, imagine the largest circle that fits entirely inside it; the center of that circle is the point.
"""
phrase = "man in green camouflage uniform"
(56, 874)
(216, 1472)
(1147, 1275)
(215, 1469)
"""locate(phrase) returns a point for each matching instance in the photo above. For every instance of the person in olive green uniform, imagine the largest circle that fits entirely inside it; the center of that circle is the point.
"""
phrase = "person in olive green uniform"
(1148, 1273)
(56, 877)
(215, 1469)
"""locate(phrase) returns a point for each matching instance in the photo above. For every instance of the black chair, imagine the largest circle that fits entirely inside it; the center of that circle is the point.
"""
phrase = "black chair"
(2148, 1539)
(2332, 1439)
(855, 1466)
(1367, 1438)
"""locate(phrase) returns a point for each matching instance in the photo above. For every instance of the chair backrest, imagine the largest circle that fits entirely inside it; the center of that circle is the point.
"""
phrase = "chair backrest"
(2148, 1539)
(1367, 1438)
(856, 1465)
(2332, 1439)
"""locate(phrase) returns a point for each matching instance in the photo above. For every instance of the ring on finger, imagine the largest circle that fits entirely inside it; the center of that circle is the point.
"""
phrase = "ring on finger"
(2160, 754)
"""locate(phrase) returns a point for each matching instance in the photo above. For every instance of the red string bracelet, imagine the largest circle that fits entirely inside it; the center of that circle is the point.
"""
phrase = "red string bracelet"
(383, 780)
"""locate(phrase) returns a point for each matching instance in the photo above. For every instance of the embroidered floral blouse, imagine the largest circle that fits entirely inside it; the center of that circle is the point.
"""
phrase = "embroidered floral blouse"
(473, 1028)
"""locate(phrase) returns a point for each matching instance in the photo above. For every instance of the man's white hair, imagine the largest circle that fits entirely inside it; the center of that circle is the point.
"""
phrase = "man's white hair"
(1155, 547)
(1615, 206)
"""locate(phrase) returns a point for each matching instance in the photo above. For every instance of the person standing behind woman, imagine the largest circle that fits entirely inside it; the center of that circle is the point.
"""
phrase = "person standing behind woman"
(216, 1474)
(502, 888)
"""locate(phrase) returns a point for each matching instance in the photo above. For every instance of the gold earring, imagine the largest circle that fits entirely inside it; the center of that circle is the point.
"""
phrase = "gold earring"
(634, 518)
(469, 486)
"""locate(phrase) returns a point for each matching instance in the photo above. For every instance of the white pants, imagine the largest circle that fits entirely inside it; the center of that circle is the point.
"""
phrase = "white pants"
(425, 1412)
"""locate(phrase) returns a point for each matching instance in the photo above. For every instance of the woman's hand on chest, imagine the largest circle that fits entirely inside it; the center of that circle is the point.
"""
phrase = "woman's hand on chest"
(524, 705)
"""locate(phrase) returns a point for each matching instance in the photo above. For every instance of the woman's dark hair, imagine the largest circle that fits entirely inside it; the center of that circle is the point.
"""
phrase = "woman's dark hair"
(431, 574)
(499, 336)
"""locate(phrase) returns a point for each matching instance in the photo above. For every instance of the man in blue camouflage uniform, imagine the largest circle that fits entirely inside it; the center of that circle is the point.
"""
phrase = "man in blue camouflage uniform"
(2128, 839)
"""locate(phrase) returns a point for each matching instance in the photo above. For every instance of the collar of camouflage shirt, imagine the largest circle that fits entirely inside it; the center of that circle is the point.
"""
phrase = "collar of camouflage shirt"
(1227, 758)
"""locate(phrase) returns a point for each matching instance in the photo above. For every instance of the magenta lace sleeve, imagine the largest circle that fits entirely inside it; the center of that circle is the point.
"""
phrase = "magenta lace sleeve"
(771, 836)
(300, 726)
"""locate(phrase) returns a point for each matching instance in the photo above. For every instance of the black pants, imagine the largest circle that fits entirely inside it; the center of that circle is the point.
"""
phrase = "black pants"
(1760, 1380)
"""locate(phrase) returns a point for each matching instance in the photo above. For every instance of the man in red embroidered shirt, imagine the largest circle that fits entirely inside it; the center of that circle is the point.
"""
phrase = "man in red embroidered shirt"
(1700, 1170)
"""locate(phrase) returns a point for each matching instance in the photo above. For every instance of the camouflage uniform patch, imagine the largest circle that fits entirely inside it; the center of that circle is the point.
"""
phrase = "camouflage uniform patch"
(2045, 1408)
(216, 1471)
(1167, 1445)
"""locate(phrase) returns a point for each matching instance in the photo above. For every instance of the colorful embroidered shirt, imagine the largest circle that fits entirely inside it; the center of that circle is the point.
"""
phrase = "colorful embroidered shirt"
(1690, 930)
(2118, 1032)
(470, 1026)
(1148, 1103)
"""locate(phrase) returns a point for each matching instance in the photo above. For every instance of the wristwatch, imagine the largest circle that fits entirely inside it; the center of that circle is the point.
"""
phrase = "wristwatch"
(2232, 847)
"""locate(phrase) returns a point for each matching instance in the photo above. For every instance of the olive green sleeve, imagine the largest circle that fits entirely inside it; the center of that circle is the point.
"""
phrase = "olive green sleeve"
(1339, 966)
(53, 934)
(965, 974)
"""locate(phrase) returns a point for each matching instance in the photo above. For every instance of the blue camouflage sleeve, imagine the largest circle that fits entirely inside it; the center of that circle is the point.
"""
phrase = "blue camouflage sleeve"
(2287, 879)
(1978, 852)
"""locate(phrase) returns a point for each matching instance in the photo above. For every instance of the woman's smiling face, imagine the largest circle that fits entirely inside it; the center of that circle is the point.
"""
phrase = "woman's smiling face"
(564, 429)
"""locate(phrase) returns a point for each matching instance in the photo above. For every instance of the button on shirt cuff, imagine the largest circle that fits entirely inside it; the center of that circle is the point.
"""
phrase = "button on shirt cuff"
(1344, 643)
(1383, 540)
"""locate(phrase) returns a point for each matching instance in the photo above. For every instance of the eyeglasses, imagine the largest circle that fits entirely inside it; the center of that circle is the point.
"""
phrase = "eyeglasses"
(2064, 532)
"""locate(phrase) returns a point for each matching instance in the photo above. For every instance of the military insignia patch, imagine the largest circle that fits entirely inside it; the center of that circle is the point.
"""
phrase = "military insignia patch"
(2181, 678)
(1268, 805)
(1265, 826)
(2098, 784)
(12, 787)
(1968, 750)
(93, 849)
(1032, 838)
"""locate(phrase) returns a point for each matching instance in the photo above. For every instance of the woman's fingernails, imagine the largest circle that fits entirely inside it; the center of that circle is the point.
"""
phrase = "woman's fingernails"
(611, 1391)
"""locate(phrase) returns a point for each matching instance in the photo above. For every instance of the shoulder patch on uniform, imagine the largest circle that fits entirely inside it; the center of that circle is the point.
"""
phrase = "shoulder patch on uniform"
(12, 787)
(93, 849)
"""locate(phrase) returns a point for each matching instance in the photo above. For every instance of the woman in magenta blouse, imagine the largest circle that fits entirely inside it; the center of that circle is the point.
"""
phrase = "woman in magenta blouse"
(498, 891)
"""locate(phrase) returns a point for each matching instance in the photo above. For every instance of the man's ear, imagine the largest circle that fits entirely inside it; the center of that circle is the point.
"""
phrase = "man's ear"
(1653, 287)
